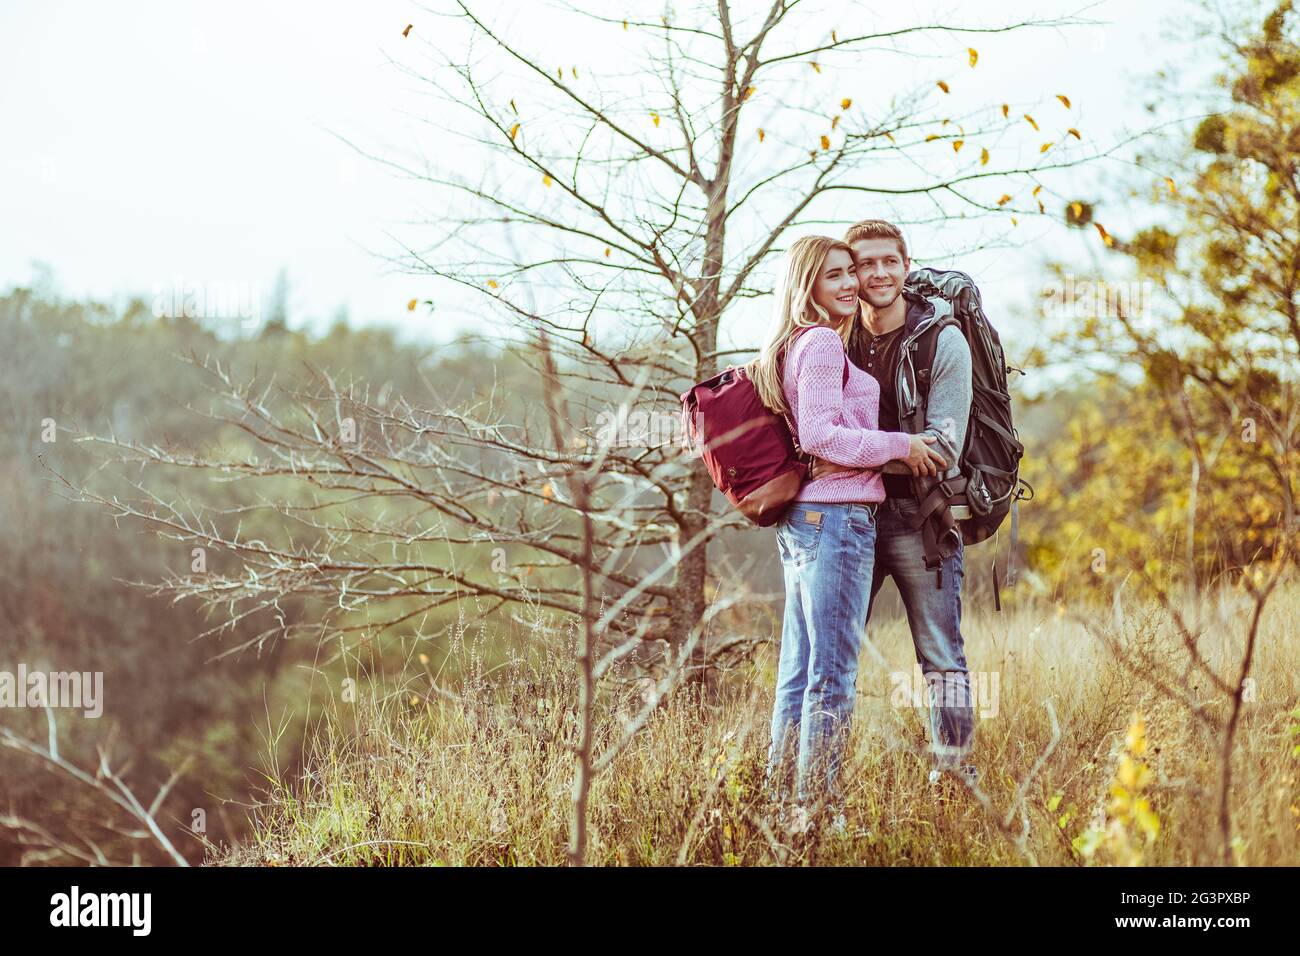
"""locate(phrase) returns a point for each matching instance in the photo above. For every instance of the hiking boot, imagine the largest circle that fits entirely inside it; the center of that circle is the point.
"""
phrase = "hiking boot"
(966, 773)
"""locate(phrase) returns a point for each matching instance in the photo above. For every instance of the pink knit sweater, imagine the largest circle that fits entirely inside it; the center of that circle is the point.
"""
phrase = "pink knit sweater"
(837, 421)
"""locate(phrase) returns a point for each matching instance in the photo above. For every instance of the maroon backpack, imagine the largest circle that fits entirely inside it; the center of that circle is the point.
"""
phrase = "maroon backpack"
(750, 452)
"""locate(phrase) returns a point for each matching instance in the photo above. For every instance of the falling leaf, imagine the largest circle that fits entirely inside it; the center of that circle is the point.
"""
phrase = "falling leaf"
(1031, 121)
(845, 103)
(944, 86)
(409, 27)
(930, 137)
(624, 24)
(1045, 147)
(1173, 190)
(816, 66)
(607, 252)
(957, 144)
(574, 71)
(834, 38)
(749, 91)
(410, 306)
(835, 120)
(1041, 208)
(984, 157)
(559, 71)
(1077, 209)
(1075, 133)
(514, 131)
(974, 55)
(1005, 110)
(1065, 100)
(1105, 236)
(492, 283)
(1014, 222)
(655, 117)
(1004, 200)
(1038, 189)
(761, 135)
(826, 142)
(546, 181)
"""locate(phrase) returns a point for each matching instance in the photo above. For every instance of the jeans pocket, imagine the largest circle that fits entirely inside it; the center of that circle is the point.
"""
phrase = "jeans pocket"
(797, 535)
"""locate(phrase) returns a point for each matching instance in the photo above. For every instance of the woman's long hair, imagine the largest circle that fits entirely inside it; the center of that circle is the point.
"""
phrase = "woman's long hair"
(795, 309)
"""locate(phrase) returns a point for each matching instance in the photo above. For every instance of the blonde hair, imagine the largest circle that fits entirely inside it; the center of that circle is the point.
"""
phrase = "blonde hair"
(795, 309)
(877, 229)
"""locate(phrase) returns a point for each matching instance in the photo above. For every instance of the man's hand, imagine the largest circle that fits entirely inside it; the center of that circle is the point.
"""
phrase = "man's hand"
(821, 468)
(922, 459)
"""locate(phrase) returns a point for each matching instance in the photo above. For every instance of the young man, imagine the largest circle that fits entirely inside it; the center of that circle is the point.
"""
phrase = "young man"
(892, 326)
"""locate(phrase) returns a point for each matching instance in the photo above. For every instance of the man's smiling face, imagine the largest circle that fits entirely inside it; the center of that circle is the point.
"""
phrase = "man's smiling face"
(881, 271)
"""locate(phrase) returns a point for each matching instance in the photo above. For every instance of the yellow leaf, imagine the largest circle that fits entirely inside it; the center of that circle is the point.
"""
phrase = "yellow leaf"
(1031, 121)
(1004, 200)
(835, 120)
(1075, 133)
(655, 117)
(1136, 740)
(1105, 236)
(845, 103)
(1013, 221)
(1005, 110)
(1045, 147)
(889, 136)
(1065, 100)
(492, 283)
(957, 144)
(624, 24)
(546, 181)
(816, 66)
(944, 86)
(1038, 189)
(607, 252)
(974, 55)
(984, 157)
(928, 138)
(514, 131)
(1077, 209)
(410, 306)
(574, 71)
(559, 72)
(749, 91)
(409, 28)
(826, 142)
(834, 38)
(1173, 190)
(761, 135)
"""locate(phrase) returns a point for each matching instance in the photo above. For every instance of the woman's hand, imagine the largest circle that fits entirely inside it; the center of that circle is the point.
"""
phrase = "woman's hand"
(922, 459)
(821, 468)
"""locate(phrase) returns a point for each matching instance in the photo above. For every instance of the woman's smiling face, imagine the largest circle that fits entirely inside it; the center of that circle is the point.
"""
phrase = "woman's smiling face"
(836, 288)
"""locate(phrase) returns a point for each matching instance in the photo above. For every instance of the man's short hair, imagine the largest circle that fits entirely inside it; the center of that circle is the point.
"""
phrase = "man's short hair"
(877, 229)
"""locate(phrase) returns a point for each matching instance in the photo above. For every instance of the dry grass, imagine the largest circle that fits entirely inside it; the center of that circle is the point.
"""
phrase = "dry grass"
(415, 778)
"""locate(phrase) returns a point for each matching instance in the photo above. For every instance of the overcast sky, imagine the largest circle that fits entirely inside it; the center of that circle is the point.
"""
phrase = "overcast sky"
(149, 141)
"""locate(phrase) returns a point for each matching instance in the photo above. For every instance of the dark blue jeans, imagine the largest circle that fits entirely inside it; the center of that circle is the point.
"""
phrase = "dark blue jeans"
(934, 615)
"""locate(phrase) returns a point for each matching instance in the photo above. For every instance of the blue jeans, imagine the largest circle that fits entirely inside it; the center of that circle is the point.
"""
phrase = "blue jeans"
(933, 604)
(827, 552)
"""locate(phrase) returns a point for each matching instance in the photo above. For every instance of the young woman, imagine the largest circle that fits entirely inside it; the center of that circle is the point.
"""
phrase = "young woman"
(827, 538)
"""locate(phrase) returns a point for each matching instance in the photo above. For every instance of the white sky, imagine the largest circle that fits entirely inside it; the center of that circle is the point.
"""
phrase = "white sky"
(150, 141)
